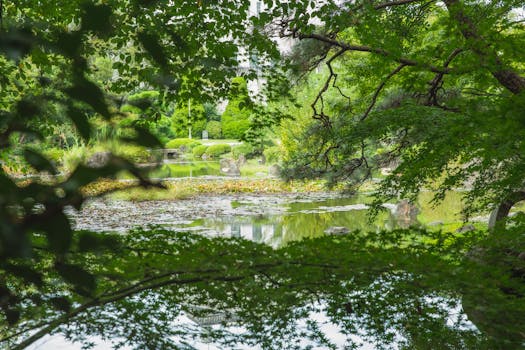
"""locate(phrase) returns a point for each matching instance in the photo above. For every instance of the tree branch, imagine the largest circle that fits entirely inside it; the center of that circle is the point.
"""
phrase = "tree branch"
(394, 3)
(379, 88)
(361, 48)
(320, 115)
(490, 59)
(437, 82)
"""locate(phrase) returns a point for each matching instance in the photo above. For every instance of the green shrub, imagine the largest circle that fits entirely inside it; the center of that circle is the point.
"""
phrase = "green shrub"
(55, 155)
(272, 154)
(199, 151)
(245, 149)
(74, 156)
(179, 143)
(135, 154)
(214, 151)
(235, 120)
(214, 129)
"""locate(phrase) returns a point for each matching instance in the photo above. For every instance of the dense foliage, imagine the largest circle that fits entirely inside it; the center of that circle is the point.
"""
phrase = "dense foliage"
(235, 119)
(214, 151)
(393, 289)
(435, 88)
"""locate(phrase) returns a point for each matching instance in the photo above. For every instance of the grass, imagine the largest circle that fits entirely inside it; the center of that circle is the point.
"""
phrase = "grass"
(252, 168)
(186, 188)
(216, 142)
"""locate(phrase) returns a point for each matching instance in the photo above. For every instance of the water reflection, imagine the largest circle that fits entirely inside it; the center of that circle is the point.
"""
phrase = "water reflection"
(300, 220)
(186, 169)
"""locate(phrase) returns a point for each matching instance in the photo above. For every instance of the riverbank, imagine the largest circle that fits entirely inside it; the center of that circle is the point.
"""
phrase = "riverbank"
(184, 188)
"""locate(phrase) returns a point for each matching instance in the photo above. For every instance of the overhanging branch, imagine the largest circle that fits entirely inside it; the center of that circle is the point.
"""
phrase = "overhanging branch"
(362, 48)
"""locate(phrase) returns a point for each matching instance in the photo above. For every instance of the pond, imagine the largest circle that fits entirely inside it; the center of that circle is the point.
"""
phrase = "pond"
(273, 219)
(270, 218)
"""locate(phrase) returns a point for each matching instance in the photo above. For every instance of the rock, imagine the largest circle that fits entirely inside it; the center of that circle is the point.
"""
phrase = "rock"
(274, 171)
(435, 223)
(386, 171)
(98, 160)
(337, 230)
(241, 160)
(466, 228)
(406, 214)
(229, 167)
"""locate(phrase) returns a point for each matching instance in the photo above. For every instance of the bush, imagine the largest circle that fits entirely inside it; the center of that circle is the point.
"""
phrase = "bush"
(180, 143)
(235, 120)
(199, 151)
(272, 154)
(245, 149)
(214, 151)
(214, 129)
(55, 155)
(74, 156)
(135, 154)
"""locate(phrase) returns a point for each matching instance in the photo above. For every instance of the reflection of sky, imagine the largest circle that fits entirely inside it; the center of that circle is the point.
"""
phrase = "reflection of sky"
(332, 332)
(271, 219)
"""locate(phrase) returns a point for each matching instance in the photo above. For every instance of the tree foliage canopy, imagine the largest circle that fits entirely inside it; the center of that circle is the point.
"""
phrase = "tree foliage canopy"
(437, 85)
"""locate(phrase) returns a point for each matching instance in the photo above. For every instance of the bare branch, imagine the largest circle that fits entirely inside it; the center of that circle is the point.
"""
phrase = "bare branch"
(319, 98)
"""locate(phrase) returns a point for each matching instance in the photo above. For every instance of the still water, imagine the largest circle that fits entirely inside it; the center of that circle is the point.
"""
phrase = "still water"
(271, 219)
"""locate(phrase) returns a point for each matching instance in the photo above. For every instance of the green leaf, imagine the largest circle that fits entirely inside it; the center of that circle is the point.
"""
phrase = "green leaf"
(97, 18)
(61, 303)
(151, 43)
(27, 109)
(88, 92)
(58, 232)
(16, 43)
(39, 162)
(12, 316)
(81, 122)
(69, 43)
(26, 273)
(90, 242)
(143, 137)
(83, 281)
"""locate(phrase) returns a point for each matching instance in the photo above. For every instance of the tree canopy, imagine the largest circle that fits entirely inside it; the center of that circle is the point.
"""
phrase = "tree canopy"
(437, 87)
